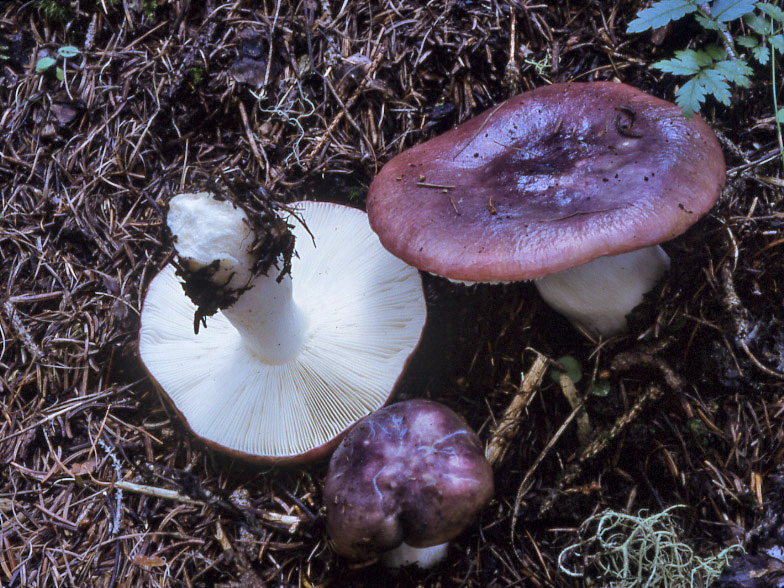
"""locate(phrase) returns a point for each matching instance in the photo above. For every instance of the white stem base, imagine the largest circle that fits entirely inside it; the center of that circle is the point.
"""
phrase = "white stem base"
(598, 295)
(210, 232)
(271, 324)
(422, 557)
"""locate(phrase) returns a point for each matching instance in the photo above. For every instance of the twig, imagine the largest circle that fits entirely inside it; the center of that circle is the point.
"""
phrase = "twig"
(521, 491)
(25, 336)
(632, 360)
(155, 492)
(508, 426)
(744, 331)
(599, 444)
(572, 396)
(512, 70)
(349, 103)
(479, 130)
(263, 163)
(290, 521)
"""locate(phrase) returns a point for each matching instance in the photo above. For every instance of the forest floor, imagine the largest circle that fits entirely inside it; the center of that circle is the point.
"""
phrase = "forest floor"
(108, 109)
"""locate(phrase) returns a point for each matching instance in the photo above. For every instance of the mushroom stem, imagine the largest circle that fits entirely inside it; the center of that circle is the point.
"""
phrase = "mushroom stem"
(269, 321)
(214, 235)
(598, 295)
(422, 557)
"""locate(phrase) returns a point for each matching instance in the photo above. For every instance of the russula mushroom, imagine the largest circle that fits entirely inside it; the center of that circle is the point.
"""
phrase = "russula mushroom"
(292, 359)
(572, 185)
(404, 482)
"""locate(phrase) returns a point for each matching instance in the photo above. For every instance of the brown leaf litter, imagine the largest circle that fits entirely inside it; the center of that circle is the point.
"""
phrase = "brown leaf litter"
(100, 485)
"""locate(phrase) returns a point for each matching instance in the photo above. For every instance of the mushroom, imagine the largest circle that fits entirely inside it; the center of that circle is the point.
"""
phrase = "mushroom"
(279, 373)
(404, 482)
(572, 185)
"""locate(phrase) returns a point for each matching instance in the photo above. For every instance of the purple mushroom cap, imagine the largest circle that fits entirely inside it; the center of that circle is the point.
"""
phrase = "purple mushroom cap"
(412, 472)
(550, 179)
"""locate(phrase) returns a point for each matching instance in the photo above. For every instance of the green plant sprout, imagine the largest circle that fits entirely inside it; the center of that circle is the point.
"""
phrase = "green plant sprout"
(641, 552)
(571, 367)
(52, 10)
(197, 76)
(713, 68)
(149, 8)
(45, 64)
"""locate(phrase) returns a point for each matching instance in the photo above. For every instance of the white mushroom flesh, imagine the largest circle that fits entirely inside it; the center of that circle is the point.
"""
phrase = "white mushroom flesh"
(598, 295)
(422, 557)
(286, 369)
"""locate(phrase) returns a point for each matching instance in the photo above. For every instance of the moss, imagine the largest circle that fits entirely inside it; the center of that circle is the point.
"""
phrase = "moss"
(52, 10)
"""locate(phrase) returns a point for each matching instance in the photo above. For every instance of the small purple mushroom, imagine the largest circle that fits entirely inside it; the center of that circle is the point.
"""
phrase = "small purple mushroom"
(572, 185)
(404, 482)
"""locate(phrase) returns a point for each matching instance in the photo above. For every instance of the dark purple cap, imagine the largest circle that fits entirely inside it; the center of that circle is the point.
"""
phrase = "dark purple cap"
(550, 179)
(412, 472)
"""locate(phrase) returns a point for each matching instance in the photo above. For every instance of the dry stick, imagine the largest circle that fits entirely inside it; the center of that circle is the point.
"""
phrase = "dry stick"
(272, 43)
(512, 71)
(349, 103)
(509, 424)
(479, 130)
(743, 330)
(521, 491)
(573, 397)
(25, 336)
(653, 392)
(291, 521)
(263, 163)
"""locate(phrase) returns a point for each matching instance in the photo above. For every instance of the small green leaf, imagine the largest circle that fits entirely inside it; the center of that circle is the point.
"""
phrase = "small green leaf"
(777, 42)
(68, 51)
(572, 367)
(685, 63)
(690, 97)
(761, 54)
(44, 63)
(715, 83)
(747, 41)
(759, 25)
(699, 430)
(709, 23)
(735, 70)
(726, 10)
(713, 53)
(772, 11)
(60, 74)
(660, 13)
(780, 115)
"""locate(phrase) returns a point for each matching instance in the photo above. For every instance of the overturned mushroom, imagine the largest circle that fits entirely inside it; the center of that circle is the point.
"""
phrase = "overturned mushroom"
(280, 372)
(572, 185)
(403, 482)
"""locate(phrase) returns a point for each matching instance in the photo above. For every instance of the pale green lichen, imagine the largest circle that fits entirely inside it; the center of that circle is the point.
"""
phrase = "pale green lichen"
(640, 552)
